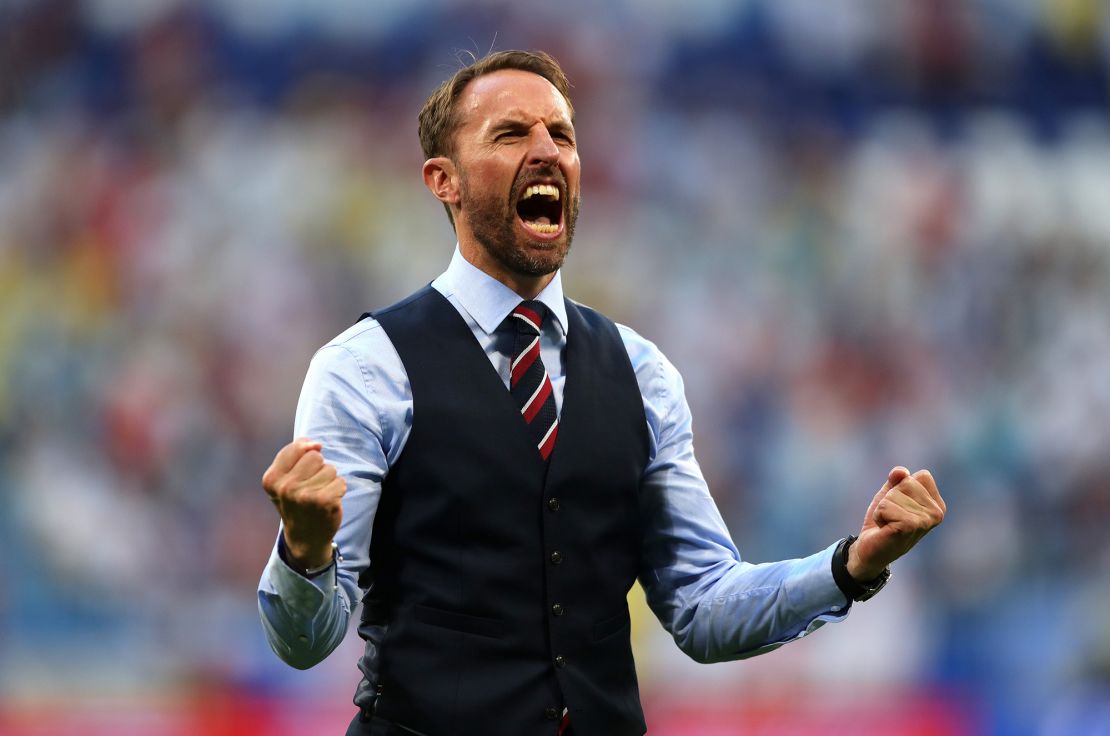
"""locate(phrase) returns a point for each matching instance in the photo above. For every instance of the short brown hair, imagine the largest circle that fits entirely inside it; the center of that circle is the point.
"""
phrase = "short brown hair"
(437, 118)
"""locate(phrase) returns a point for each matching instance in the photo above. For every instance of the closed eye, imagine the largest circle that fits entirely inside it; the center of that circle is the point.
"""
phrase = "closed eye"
(509, 132)
(561, 134)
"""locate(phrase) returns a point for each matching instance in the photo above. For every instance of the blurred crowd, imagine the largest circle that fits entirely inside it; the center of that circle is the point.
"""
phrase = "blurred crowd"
(867, 232)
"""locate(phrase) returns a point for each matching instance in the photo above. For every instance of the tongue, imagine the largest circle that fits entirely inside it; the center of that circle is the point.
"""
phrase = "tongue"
(541, 220)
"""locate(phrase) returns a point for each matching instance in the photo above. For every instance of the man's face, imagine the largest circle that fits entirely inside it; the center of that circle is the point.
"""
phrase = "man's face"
(518, 172)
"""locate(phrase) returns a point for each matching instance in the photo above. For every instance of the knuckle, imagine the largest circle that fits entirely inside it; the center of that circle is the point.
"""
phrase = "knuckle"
(313, 463)
(286, 455)
(288, 489)
(307, 496)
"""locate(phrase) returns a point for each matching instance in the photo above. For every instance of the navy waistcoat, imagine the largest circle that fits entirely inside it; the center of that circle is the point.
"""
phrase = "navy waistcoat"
(501, 583)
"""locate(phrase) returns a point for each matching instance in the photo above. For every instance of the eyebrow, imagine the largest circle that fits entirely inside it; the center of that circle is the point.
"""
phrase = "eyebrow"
(508, 123)
(562, 126)
(511, 123)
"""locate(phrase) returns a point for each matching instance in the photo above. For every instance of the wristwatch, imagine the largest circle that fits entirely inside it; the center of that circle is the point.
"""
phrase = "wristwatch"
(854, 589)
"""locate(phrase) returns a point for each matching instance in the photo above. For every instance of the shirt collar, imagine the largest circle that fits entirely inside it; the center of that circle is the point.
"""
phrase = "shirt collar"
(488, 301)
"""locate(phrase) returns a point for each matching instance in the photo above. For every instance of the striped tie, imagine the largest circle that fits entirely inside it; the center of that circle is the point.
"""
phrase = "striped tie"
(528, 381)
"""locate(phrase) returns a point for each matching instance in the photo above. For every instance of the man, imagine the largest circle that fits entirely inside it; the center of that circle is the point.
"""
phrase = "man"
(491, 467)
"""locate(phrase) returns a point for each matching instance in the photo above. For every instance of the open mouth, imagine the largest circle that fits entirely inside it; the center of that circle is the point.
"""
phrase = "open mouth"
(540, 209)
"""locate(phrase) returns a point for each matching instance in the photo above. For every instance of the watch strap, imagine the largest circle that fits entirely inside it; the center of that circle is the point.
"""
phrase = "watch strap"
(854, 589)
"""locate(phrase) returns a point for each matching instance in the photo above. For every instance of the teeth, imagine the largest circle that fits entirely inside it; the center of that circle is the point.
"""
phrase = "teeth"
(542, 228)
(545, 190)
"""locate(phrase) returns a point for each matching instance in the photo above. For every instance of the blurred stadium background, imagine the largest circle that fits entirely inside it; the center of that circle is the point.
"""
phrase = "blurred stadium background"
(867, 231)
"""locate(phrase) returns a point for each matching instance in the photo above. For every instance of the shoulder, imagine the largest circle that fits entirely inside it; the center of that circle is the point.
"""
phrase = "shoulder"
(640, 349)
(361, 338)
(364, 346)
(657, 376)
(369, 334)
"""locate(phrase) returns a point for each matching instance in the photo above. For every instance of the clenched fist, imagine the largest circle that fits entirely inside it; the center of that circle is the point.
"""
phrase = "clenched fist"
(904, 510)
(308, 494)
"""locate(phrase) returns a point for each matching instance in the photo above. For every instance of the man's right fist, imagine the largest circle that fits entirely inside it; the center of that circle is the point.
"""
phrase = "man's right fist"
(308, 494)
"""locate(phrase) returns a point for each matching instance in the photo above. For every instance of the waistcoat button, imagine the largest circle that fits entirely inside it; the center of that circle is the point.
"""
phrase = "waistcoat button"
(550, 713)
(557, 609)
(560, 661)
(553, 504)
(556, 557)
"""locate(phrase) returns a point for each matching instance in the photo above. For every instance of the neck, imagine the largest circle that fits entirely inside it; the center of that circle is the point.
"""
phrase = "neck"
(525, 285)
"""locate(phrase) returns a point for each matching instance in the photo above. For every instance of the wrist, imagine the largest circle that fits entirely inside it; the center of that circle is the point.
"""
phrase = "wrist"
(859, 572)
(306, 557)
(853, 588)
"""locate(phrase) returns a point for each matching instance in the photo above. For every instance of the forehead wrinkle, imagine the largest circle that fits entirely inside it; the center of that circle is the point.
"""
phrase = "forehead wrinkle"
(519, 116)
(486, 94)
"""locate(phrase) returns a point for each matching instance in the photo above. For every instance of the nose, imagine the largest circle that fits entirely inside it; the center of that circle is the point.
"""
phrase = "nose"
(542, 148)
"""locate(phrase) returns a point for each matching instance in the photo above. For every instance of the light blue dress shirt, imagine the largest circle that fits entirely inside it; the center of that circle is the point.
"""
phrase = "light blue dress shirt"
(357, 401)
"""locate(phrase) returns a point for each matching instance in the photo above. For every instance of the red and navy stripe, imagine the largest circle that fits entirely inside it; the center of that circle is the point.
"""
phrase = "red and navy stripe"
(528, 380)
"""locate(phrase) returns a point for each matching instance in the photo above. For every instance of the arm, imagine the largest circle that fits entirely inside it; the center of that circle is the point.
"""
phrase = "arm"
(715, 605)
(356, 412)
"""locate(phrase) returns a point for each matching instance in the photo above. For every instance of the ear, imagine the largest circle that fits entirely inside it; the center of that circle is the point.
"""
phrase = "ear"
(441, 178)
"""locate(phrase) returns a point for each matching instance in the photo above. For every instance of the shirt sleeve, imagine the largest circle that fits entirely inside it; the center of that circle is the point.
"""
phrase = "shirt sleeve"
(715, 605)
(360, 409)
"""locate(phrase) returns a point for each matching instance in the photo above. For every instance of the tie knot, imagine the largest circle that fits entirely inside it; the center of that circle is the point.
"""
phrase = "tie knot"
(528, 317)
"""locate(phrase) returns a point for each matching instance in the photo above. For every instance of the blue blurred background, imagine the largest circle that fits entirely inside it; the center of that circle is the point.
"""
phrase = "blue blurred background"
(869, 232)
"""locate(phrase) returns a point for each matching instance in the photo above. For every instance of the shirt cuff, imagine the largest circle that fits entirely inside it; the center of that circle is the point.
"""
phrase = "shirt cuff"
(293, 584)
(819, 581)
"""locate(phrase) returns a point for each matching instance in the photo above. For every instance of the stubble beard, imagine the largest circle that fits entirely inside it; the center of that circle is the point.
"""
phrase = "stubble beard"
(493, 223)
